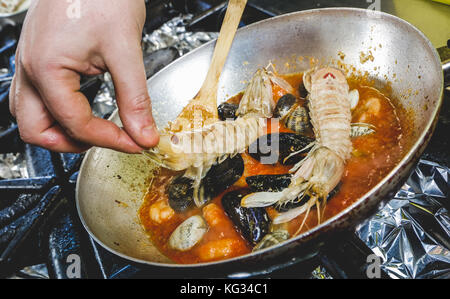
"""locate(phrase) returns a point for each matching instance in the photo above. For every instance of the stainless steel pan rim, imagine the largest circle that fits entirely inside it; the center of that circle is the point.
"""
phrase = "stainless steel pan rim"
(341, 217)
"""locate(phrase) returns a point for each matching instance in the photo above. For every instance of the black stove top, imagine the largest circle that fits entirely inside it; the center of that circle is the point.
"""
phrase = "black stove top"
(38, 219)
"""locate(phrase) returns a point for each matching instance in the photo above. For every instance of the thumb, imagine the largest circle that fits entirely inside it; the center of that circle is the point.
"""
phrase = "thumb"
(130, 83)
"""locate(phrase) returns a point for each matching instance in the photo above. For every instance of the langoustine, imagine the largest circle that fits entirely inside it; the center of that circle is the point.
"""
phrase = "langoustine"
(198, 150)
(321, 170)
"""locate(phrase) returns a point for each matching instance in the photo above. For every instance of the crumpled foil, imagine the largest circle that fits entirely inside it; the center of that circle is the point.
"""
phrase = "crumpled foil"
(33, 272)
(320, 273)
(412, 232)
(105, 101)
(174, 34)
(13, 166)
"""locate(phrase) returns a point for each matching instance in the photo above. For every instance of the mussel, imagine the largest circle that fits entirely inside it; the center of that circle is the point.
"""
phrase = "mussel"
(299, 202)
(302, 90)
(188, 233)
(180, 191)
(268, 183)
(252, 223)
(284, 104)
(277, 147)
(277, 183)
(227, 111)
(219, 178)
(282, 208)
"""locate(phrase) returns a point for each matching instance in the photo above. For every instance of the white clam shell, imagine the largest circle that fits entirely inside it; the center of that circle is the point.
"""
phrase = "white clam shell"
(354, 98)
(188, 233)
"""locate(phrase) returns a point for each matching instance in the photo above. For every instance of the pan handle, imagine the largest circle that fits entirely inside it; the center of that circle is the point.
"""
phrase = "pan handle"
(348, 257)
(446, 68)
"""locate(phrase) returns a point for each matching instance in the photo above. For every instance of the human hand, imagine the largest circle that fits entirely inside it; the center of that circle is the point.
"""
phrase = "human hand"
(54, 49)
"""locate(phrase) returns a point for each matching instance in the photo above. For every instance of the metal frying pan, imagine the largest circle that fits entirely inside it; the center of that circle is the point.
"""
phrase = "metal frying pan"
(111, 185)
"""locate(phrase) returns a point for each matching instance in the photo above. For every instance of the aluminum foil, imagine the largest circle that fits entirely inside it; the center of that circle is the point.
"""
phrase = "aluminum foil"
(105, 101)
(174, 34)
(13, 166)
(320, 273)
(412, 232)
(33, 272)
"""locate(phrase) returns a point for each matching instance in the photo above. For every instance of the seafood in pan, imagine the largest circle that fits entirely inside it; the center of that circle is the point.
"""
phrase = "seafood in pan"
(288, 153)
(321, 171)
(197, 151)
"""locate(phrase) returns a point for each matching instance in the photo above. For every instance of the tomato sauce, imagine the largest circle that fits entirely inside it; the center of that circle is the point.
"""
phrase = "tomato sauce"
(373, 157)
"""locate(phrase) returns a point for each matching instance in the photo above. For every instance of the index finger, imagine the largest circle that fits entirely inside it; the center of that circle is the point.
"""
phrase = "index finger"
(59, 90)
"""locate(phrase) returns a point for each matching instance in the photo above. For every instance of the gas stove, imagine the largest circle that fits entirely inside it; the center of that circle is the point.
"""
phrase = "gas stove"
(40, 232)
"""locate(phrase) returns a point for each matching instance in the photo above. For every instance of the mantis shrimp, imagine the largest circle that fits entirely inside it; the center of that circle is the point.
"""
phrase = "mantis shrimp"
(196, 151)
(314, 177)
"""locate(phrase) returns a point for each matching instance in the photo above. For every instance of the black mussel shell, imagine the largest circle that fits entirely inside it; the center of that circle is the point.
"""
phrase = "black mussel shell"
(252, 223)
(292, 205)
(219, 178)
(302, 90)
(227, 111)
(180, 193)
(265, 150)
(284, 104)
(222, 176)
(268, 183)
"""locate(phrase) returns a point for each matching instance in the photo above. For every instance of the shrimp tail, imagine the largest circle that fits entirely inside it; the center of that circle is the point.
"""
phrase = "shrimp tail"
(317, 175)
(258, 100)
(197, 174)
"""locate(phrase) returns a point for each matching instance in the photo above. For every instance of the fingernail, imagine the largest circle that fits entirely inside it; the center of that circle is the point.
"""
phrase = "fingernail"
(150, 132)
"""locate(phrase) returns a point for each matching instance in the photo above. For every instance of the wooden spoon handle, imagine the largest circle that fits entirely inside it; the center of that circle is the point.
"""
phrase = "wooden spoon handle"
(208, 92)
(202, 109)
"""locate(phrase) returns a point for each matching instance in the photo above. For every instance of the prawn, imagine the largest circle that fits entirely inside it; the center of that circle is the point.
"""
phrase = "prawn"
(321, 170)
(161, 212)
(196, 151)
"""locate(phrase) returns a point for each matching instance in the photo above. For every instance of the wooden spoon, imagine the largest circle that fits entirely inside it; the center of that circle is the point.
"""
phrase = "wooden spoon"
(202, 109)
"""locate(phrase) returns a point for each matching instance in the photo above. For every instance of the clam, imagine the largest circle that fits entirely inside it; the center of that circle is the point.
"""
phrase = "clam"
(188, 234)
(298, 120)
(272, 239)
(284, 104)
(252, 223)
(353, 98)
(293, 116)
(362, 129)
